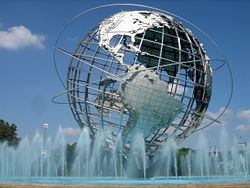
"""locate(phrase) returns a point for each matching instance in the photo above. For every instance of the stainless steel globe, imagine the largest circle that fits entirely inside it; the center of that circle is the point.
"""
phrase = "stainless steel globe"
(140, 72)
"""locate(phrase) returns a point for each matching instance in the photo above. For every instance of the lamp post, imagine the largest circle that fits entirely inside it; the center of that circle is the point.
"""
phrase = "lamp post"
(45, 126)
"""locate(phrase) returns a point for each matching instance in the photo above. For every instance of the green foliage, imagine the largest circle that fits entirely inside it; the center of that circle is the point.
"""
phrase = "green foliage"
(8, 133)
(70, 156)
(181, 157)
(183, 151)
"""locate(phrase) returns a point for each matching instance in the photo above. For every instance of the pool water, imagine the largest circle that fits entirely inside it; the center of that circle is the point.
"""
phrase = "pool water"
(176, 180)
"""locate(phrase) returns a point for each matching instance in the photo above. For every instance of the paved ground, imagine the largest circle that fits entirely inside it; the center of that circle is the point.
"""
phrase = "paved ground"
(234, 185)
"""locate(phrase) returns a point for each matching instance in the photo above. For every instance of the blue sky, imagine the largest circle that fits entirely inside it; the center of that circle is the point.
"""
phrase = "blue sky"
(28, 30)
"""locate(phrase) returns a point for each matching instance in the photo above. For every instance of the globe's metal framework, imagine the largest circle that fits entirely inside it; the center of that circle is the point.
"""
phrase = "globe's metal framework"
(97, 81)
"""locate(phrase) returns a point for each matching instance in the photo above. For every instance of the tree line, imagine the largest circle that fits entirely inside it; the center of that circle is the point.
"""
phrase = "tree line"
(8, 133)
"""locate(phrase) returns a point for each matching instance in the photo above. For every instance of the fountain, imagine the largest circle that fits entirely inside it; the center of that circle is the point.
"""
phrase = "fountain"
(91, 160)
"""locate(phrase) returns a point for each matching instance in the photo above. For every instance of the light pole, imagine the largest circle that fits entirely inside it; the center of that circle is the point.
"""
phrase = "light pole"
(45, 126)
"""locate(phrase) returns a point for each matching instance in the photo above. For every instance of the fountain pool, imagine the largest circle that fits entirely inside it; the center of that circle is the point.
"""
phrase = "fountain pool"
(172, 180)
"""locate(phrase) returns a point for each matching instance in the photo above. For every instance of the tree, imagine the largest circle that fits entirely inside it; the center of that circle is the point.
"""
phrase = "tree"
(184, 151)
(8, 133)
(182, 160)
(70, 156)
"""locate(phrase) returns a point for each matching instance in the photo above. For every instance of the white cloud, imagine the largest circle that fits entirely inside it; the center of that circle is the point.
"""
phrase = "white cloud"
(244, 114)
(224, 119)
(71, 131)
(174, 87)
(19, 37)
(242, 127)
